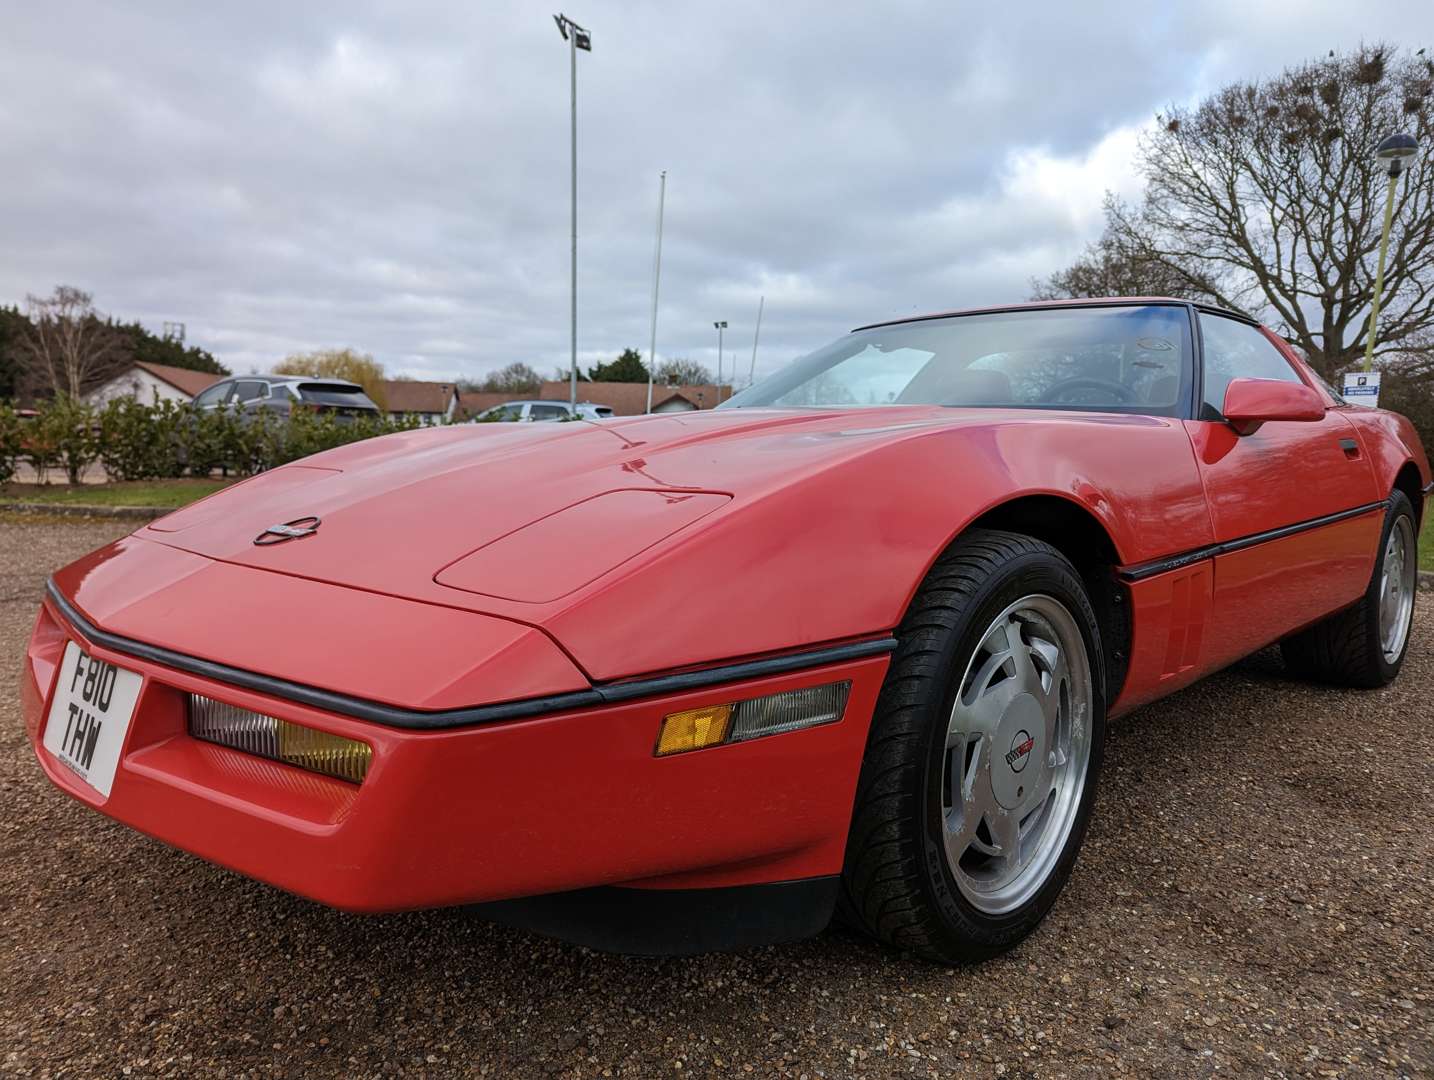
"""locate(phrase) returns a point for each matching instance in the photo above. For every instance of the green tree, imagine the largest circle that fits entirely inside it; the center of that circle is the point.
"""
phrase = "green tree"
(142, 344)
(12, 441)
(1266, 198)
(61, 344)
(12, 324)
(339, 364)
(628, 367)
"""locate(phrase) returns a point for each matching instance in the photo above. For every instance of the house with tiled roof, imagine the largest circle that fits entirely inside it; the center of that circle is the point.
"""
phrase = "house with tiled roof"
(150, 383)
(431, 402)
(630, 399)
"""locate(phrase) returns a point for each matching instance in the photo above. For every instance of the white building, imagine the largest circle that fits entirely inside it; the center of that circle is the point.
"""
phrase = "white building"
(150, 383)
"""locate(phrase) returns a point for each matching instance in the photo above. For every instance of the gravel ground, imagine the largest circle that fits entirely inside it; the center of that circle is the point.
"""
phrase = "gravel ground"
(1254, 898)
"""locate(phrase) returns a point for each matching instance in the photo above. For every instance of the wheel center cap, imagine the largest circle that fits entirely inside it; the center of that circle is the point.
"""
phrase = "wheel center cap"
(1019, 750)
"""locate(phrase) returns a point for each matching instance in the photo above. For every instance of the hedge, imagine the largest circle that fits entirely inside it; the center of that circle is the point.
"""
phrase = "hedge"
(145, 442)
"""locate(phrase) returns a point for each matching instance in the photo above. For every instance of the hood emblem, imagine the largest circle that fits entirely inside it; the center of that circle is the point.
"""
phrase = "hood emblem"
(290, 530)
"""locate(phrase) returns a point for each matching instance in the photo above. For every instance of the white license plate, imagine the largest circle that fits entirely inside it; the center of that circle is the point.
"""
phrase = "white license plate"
(89, 716)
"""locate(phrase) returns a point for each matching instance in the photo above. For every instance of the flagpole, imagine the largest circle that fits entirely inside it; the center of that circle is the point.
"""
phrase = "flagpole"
(656, 278)
(752, 373)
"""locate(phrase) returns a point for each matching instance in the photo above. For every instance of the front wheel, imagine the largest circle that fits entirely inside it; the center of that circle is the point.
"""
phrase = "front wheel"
(1364, 645)
(980, 769)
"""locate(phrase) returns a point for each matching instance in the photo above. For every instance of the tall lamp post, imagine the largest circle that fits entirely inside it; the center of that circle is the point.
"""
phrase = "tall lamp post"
(720, 327)
(1396, 149)
(577, 38)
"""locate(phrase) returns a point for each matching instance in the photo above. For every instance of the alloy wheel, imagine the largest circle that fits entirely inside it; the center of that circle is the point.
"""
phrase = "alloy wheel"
(1396, 588)
(1017, 753)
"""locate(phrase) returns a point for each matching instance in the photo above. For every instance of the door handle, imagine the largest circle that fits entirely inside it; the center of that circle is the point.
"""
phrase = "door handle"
(1350, 448)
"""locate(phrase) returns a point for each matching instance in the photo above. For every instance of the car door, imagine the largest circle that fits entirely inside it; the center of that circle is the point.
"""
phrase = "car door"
(248, 397)
(249, 390)
(215, 396)
(1294, 507)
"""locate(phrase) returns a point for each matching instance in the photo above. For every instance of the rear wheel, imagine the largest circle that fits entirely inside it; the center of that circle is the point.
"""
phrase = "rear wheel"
(980, 768)
(1364, 645)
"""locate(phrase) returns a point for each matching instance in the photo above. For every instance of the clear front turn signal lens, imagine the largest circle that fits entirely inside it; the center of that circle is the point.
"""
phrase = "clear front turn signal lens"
(790, 710)
(278, 740)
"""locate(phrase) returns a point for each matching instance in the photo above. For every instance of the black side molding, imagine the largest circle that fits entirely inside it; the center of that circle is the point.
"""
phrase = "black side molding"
(1140, 571)
(394, 716)
(674, 922)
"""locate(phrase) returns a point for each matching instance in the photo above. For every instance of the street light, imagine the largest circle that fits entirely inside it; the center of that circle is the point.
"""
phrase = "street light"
(1395, 149)
(720, 326)
(579, 38)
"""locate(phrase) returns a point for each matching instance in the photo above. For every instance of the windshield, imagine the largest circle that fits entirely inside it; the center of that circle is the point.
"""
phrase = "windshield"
(335, 395)
(1110, 359)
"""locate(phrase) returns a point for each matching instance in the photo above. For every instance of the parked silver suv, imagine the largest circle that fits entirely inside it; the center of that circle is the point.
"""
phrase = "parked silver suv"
(538, 411)
(280, 393)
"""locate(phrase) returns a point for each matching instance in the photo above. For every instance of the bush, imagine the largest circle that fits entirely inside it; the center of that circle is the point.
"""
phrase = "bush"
(218, 439)
(39, 447)
(11, 442)
(146, 442)
(312, 433)
(71, 427)
(124, 439)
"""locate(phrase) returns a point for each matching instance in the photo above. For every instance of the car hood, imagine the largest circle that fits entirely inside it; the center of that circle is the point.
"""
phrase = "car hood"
(397, 512)
(655, 543)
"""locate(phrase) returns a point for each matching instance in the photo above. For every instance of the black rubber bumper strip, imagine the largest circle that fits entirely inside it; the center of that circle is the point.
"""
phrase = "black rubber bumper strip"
(1140, 571)
(395, 716)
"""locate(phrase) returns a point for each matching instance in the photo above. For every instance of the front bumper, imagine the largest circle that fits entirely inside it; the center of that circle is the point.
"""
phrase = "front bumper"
(485, 812)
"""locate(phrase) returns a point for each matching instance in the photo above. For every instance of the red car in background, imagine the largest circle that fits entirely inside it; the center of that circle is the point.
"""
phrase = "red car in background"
(681, 682)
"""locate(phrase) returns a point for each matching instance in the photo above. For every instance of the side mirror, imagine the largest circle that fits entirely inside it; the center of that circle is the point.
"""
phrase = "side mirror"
(1252, 402)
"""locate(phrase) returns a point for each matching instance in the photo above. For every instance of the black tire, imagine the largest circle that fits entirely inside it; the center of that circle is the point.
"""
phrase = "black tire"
(896, 884)
(1346, 649)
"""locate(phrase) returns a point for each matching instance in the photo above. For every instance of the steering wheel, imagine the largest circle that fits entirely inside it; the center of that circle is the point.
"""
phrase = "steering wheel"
(1055, 394)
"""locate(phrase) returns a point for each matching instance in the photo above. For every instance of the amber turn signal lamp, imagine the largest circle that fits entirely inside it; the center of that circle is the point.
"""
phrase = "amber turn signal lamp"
(693, 729)
(791, 710)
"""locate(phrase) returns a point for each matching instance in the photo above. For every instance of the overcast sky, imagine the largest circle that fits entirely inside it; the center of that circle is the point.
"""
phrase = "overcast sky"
(394, 177)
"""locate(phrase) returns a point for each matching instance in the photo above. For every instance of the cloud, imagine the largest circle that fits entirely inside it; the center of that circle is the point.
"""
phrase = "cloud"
(395, 177)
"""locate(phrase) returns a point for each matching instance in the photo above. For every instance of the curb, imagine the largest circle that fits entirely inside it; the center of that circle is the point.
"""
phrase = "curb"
(1426, 580)
(133, 513)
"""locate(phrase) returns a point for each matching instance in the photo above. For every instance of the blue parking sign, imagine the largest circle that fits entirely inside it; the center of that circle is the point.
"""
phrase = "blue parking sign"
(1362, 388)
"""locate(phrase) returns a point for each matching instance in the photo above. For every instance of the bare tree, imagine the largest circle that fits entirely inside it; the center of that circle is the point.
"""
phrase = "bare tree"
(1119, 264)
(67, 342)
(514, 378)
(680, 371)
(1266, 198)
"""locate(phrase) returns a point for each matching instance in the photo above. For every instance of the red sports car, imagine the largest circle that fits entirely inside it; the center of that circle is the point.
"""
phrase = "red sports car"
(694, 681)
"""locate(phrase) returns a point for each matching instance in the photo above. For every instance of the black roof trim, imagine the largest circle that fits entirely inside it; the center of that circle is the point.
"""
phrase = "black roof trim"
(1048, 305)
